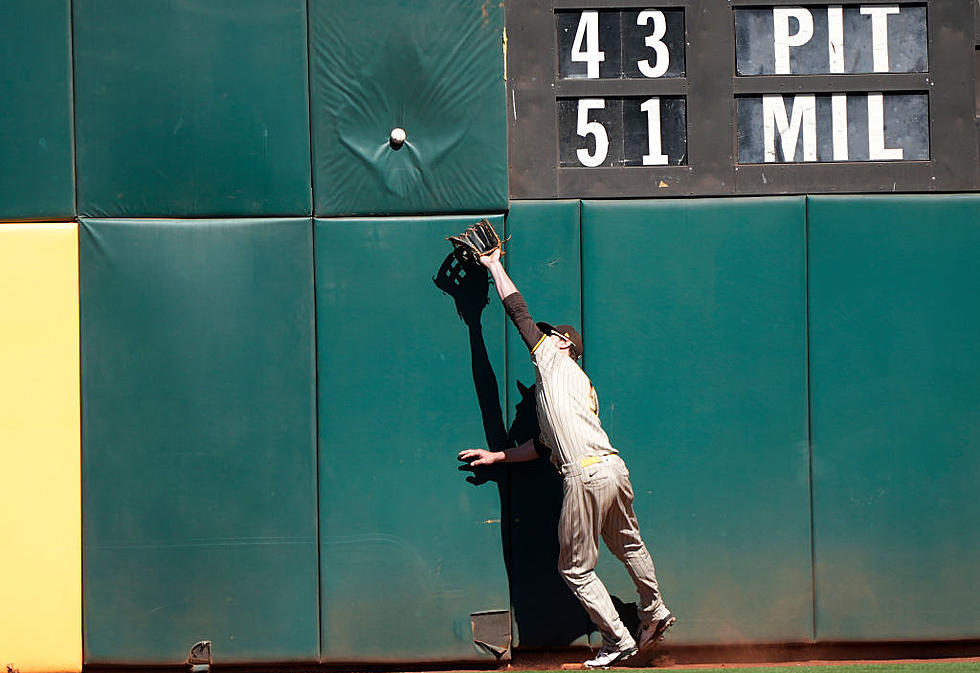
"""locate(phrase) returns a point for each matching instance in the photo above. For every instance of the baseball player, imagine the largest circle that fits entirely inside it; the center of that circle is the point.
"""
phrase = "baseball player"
(598, 496)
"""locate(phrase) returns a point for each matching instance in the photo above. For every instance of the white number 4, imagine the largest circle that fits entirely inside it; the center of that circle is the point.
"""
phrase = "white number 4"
(587, 128)
(588, 32)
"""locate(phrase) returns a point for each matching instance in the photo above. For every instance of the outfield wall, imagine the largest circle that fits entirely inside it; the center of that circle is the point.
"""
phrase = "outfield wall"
(237, 374)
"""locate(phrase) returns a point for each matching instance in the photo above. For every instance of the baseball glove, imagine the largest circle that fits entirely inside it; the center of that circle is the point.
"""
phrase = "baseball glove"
(479, 240)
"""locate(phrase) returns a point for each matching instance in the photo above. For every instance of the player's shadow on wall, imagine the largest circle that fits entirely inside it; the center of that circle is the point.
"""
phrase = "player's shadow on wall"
(545, 610)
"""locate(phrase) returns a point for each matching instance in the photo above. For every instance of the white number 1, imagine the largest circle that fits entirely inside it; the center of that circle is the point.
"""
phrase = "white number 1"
(588, 32)
(655, 156)
(586, 128)
(655, 42)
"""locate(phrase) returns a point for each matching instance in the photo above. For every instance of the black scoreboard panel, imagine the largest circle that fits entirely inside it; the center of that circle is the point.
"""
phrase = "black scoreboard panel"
(620, 44)
(622, 131)
(717, 97)
(833, 127)
(835, 39)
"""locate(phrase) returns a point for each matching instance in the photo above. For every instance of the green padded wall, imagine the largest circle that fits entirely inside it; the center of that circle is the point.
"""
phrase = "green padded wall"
(543, 259)
(695, 340)
(431, 67)
(895, 371)
(36, 171)
(409, 549)
(195, 108)
(198, 454)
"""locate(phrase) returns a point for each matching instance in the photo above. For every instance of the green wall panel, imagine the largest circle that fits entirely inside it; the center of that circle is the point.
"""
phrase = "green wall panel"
(895, 371)
(36, 171)
(543, 258)
(695, 339)
(198, 454)
(192, 108)
(409, 548)
(431, 67)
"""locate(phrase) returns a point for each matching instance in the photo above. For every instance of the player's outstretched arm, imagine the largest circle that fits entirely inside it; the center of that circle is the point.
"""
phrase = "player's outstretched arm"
(518, 454)
(512, 300)
(505, 286)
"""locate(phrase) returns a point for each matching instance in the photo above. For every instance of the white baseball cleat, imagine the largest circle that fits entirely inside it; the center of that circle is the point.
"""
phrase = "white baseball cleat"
(608, 656)
(653, 633)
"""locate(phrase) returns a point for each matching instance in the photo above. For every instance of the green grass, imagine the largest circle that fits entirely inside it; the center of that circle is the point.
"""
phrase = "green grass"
(918, 667)
(923, 667)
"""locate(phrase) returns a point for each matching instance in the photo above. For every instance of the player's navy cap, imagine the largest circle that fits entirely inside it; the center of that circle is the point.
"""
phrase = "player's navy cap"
(566, 331)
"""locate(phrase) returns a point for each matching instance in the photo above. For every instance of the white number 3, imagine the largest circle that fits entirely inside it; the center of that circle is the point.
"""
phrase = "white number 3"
(655, 42)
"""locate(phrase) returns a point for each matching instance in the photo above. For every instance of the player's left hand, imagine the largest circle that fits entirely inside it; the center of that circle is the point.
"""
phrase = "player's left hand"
(477, 457)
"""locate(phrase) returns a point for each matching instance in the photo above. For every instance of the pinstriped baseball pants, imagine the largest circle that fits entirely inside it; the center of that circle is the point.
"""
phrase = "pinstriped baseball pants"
(599, 501)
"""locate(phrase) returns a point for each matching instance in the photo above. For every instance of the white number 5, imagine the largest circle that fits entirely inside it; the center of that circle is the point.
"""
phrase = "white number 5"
(587, 128)
(655, 42)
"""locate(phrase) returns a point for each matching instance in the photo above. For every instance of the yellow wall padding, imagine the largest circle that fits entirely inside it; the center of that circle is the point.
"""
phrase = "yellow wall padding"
(40, 461)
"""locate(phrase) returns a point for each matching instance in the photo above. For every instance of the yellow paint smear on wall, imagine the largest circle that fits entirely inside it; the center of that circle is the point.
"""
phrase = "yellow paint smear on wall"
(40, 457)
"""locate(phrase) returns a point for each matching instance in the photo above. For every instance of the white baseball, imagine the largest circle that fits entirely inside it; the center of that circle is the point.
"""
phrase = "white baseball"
(397, 136)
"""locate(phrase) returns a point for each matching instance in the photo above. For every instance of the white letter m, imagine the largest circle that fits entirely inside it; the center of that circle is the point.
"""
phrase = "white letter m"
(774, 119)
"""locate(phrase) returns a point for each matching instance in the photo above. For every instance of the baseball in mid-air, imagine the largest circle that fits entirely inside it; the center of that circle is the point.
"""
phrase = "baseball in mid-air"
(397, 138)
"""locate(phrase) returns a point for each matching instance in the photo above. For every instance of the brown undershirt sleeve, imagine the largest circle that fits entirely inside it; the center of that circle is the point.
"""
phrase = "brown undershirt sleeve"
(516, 308)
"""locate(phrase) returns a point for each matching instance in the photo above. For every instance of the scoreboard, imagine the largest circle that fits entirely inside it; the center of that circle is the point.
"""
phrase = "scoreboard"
(718, 97)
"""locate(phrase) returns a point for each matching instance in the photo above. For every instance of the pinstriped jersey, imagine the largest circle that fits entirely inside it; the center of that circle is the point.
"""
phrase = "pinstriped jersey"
(567, 405)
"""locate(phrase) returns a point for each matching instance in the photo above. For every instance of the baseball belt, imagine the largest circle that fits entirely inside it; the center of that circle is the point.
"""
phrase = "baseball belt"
(575, 468)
